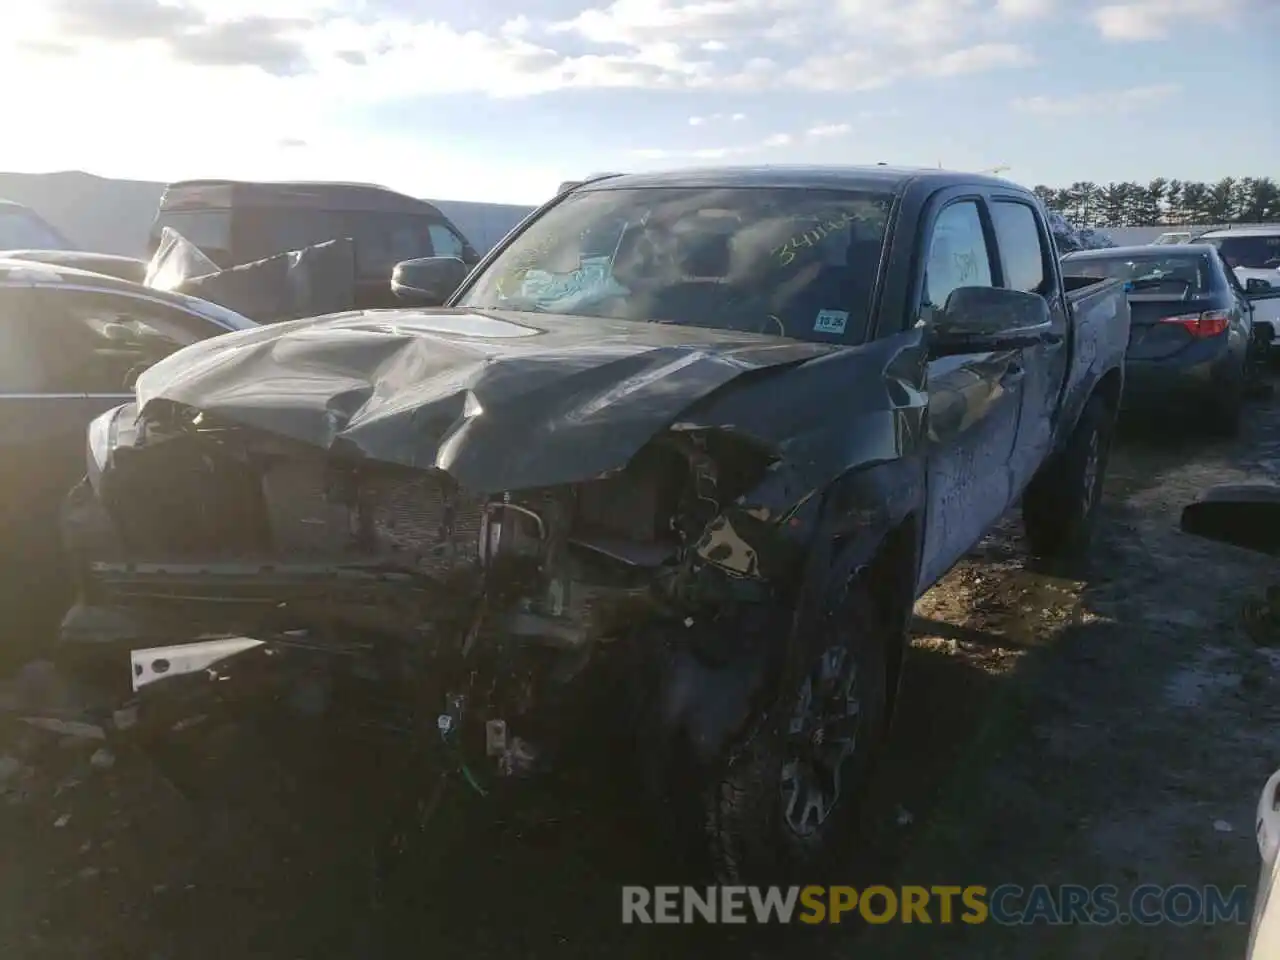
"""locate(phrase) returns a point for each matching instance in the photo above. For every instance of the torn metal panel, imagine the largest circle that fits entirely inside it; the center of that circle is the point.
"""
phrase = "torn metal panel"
(301, 283)
(177, 261)
(314, 280)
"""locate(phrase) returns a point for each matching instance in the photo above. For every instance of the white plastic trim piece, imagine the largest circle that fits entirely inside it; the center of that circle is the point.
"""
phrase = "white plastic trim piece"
(155, 663)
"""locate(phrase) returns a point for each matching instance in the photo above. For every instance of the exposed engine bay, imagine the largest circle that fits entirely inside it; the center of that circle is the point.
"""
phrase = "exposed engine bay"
(507, 531)
(488, 606)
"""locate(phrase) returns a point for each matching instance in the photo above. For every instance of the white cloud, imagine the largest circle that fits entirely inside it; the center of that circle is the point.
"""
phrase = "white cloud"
(259, 79)
(1026, 9)
(825, 130)
(856, 71)
(1141, 20)
(1099, 102)
(986, 56)
(339, 51)
(719, 152)
(879, 114)
(716, 118)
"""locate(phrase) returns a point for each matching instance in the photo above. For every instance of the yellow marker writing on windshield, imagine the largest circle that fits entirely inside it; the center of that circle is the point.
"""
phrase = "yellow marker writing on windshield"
(786, 253)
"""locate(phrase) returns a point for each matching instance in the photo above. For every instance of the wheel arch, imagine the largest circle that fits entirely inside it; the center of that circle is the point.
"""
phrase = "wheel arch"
(891, 575)
(1110, 387)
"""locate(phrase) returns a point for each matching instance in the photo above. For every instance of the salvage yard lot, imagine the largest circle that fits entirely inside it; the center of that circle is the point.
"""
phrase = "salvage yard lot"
(1114, 728)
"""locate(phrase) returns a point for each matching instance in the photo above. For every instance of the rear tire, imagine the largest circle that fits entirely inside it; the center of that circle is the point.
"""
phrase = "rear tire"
(775, 813)
(1060, 505)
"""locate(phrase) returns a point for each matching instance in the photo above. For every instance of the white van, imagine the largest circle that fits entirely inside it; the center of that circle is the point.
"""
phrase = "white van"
(1254, 254)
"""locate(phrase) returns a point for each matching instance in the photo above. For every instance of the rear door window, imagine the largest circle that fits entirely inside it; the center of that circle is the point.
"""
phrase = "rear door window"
(445, 242)
(409, 240)
(99, 342)
(21, 370)
(262, 232)
(1022, 247)
(384, 239)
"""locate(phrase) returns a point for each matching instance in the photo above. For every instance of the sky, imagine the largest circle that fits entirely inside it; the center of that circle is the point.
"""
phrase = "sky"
(502, 100)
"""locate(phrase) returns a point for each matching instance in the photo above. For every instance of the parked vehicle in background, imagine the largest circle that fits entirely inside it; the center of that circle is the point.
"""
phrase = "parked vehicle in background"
(1247, 248)
(686, 447)
(237, 222)
(1254, 254)
(22, 227)
(71, 346)
(108, 264)
(1191, 337)
(1182, 236)
(483, 224)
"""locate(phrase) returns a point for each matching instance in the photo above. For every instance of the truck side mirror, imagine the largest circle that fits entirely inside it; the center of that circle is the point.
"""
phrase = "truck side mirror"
(428, 281)
(986, 319)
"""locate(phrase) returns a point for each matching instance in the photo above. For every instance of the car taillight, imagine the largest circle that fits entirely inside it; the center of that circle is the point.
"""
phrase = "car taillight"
(1207, 324)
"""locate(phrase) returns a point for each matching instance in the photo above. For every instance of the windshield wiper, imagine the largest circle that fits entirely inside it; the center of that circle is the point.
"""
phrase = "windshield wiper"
(521, 305)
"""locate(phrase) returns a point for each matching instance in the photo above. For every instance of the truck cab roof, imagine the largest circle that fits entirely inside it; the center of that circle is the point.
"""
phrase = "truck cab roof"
(799, 176)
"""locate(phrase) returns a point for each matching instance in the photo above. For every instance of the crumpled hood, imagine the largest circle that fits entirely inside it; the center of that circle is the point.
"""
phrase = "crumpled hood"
(500, 401)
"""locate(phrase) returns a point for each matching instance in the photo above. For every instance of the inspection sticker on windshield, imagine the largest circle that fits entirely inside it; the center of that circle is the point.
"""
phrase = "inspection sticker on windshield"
(831, 321)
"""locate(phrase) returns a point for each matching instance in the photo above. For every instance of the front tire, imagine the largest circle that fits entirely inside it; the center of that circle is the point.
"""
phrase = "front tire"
(785, 807)
(1059, 507)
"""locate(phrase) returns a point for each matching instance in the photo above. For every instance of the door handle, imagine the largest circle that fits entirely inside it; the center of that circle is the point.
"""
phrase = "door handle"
(1013, 374)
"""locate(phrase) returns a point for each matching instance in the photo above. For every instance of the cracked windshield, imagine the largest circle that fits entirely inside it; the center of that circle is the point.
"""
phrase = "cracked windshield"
(782, 262)
(640, 479)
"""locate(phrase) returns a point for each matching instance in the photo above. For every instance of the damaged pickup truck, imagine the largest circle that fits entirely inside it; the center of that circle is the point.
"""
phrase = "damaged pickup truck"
(697, 439)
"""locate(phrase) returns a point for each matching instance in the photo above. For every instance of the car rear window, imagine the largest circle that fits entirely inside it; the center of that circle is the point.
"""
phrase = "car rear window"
(1182, 275)
(20, 229)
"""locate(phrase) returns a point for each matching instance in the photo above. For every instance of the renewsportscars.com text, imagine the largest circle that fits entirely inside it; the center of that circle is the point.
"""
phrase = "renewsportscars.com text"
(1007, 904)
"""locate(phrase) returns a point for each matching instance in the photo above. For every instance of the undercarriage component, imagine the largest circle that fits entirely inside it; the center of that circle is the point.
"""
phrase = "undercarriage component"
(157, 663)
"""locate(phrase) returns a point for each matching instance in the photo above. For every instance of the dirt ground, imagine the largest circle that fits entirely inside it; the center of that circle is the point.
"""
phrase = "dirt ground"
(1114, 728)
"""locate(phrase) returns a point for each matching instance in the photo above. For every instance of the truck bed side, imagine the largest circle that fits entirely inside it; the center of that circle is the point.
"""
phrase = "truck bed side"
(1100, 336)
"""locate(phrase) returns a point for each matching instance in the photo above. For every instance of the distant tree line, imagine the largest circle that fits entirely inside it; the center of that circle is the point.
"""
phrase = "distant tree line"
(1166, 202)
